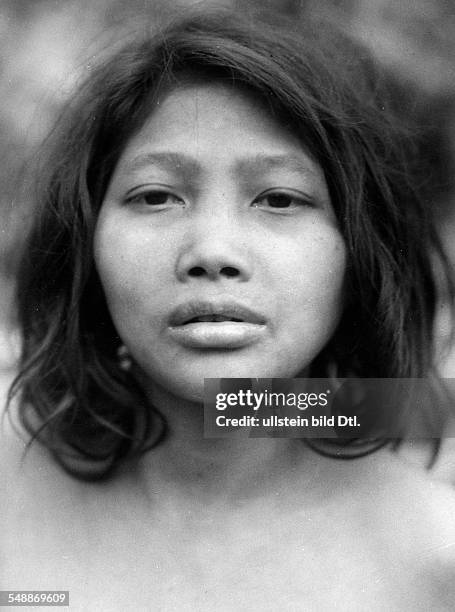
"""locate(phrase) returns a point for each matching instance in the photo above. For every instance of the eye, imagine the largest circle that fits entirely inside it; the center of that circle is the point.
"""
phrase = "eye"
(155, 197)
(281, 200)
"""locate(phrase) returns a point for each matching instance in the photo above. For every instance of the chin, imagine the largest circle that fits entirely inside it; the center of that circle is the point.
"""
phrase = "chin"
(188, 383)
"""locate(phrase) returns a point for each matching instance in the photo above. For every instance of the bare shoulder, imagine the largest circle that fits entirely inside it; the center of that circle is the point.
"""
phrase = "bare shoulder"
(389, 527)
(24, 468)
(431, 480)
(415, 512)
(422, 517)
(418, 486)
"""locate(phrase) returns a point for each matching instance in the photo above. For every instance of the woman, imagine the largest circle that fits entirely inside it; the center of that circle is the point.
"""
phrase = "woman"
(222, 200)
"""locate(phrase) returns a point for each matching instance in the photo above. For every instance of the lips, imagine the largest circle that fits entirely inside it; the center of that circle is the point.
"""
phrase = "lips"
(214, 312)
(216, 325)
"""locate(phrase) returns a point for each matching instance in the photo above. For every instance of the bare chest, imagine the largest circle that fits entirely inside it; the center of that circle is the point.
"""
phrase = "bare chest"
(116, 564)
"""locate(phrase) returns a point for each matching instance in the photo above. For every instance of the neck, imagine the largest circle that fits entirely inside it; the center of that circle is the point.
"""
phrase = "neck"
(207, 470)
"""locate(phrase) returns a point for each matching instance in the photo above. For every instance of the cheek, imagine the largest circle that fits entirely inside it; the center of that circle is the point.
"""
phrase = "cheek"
(132, 274)
(312, 285)
(312, 266)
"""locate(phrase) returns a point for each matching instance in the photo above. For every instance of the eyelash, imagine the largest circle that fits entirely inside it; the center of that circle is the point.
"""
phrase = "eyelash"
(299, 199)
(136, 199)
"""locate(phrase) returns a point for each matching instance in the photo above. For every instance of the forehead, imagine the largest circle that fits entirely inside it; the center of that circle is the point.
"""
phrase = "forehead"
(214, 122)
(216, 106)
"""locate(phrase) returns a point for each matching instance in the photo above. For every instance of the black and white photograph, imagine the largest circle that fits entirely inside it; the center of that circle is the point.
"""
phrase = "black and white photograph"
(227, 299)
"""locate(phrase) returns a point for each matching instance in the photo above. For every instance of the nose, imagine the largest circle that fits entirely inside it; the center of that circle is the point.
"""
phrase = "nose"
(214, 249)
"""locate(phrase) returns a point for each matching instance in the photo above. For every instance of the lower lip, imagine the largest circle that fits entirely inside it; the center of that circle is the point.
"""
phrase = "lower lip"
(224, 335)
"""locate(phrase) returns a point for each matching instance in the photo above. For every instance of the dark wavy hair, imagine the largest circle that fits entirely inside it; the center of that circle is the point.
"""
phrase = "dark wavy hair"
(72, 394)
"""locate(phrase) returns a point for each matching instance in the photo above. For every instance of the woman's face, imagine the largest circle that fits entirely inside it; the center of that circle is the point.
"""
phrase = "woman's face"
(216, 244)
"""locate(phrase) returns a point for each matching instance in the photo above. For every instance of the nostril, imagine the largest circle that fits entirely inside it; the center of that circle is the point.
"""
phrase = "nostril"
(229, 271)
(196, 271)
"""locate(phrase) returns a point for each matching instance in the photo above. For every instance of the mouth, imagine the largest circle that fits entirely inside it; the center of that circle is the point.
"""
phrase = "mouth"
(214, 312)
(212, 319)
(216, 325)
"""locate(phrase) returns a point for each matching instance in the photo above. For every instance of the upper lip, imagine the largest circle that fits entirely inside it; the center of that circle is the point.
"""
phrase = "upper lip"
(228, 308)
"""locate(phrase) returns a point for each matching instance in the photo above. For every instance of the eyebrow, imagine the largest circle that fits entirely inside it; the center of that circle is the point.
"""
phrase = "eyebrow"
(261, 163)
(166, 160)
(254, 164)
